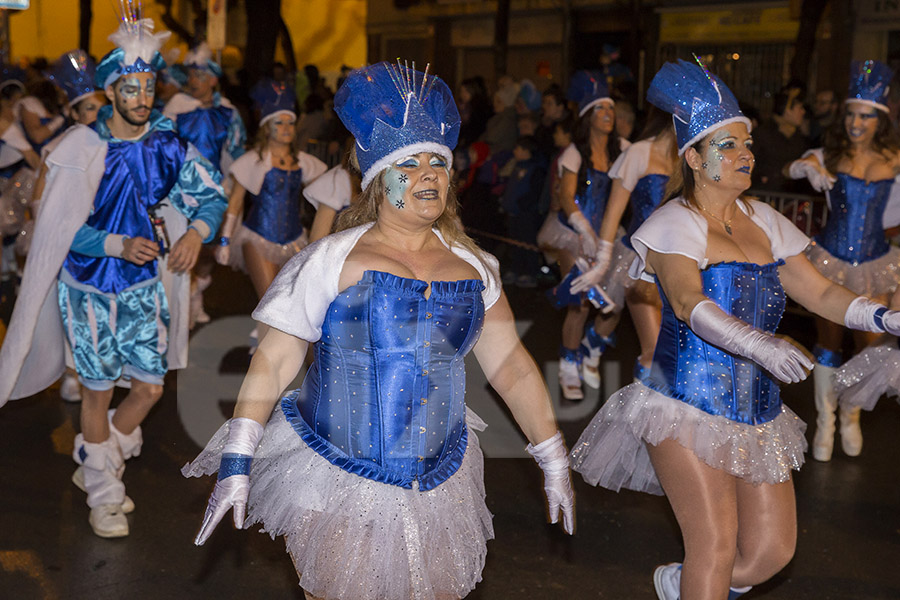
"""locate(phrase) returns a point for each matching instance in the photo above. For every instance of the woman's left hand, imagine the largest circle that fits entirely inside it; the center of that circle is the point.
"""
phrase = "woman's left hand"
(553, 459)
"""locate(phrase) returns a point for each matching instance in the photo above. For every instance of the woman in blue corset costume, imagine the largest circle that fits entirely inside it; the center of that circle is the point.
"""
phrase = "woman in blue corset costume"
(639, 177)
(273, 173)
(372, 470)
(707, 426)
(856, 169)
(584, 190)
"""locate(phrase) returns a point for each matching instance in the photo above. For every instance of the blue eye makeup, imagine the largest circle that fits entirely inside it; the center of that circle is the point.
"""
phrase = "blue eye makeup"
(408, 163)
(437, 161)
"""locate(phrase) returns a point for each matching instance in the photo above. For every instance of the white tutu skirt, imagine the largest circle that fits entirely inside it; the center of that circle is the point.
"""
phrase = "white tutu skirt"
(553, 235)
(872, 278)
(865, 378)
(278, 254)
(612, 451)
(616, 281)
(353, 538)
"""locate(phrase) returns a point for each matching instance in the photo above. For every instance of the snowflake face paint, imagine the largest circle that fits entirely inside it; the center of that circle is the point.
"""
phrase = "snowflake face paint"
(729, 159)
(396, 182)
(422, 177)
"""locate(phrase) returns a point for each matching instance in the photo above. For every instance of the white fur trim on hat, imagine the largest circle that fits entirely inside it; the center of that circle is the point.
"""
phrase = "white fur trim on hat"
(385, 161)
(719, 125)
(871, 103)
(268, 118)
(594, 103)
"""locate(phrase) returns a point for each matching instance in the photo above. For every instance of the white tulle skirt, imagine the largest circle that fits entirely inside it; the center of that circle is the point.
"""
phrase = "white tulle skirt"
(872, 278)
(278, 254)
(865, 378)
(553, 235)
(353, 538)
(616, 281)
(612, 451)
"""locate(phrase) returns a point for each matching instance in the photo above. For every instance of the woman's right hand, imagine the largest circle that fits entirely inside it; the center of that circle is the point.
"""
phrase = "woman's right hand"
(586, 233)
(817, 175)
(230, 492)
(223, 255)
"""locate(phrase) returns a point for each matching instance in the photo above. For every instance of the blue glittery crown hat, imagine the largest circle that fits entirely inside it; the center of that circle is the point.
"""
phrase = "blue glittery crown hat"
(870, 82)
(273, 98)
(137, 47)
(697, 99)
(588, 89)
(10, 75)
(74, 73)
(201, 58)
(393, 111)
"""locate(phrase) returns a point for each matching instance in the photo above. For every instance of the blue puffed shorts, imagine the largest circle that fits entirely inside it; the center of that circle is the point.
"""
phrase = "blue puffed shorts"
(115, 335)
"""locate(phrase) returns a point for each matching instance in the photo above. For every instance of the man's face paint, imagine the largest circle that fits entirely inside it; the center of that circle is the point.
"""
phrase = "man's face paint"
(134, 95)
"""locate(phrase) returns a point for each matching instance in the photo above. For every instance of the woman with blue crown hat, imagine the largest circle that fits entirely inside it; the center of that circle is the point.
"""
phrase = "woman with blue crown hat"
(584, 190)
(707, 426)
(372, 470)
(856, 170)
(125, 207)
(639, 179)
(273, 174)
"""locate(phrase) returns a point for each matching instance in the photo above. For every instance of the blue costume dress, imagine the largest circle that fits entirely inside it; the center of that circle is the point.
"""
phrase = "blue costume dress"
(33, 105)
(372, 470)
(275, 195)
(647, 192)
(115, 312)
(852, 249)
(722, 407)
(216, 131)
(591, 201)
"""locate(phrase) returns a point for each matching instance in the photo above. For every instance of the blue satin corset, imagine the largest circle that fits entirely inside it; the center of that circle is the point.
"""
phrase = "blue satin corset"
(137, 175)
(275, 211)
(687, 368)
(207, 129)
(855, 228)
(592, 199)
(385, 397)
(647, 194)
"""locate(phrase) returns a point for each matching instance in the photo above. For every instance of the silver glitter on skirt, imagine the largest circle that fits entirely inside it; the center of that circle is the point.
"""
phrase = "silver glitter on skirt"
(612, 451)
(872, 278)
(352, 538)
(616, 281)
(865, 378)
(278, 254)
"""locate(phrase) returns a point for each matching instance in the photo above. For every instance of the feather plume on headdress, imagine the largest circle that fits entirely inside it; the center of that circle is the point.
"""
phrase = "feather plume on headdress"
(137, 47)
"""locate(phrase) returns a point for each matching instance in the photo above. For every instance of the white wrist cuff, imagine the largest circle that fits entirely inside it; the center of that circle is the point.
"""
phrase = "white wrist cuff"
(865, 315)
(201, 227)
(114, 245)
(243, 436)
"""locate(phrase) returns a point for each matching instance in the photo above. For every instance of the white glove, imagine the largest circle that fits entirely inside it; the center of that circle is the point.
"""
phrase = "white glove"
(866, 315)
(233, 486)
(594, 275)
(819, 178)
(553, 458)
(779, 357)
(587, 235)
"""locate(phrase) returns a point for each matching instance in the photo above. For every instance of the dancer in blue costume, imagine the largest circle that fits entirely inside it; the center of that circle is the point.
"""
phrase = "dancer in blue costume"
(707, 426)
(856, 169)
(96, 274)
(273, 173)
(584, 190)
(372, 470)
(203, 116)
(639, 177)
(333, 193)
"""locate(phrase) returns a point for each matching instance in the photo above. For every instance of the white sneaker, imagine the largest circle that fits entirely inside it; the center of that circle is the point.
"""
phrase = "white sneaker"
(108, 521)
(590, 368)
(70, 390)
(78, 480)
(667, 581)
(570, 380)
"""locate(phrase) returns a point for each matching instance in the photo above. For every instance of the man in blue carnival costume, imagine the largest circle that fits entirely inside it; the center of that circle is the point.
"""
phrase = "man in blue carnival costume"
(101, 272)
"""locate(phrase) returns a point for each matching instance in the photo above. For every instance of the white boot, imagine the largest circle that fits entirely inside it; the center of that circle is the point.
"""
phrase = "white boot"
(826, 404)
(129, 444)
(103, 466)
(570, 379)
(667, 581)
(851, 434)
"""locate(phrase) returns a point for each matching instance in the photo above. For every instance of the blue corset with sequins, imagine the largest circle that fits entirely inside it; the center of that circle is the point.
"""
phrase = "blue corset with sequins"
(592, 199)
(385, 397)
(275, 211)
(647, 194)
(855, 230)
(687, 368)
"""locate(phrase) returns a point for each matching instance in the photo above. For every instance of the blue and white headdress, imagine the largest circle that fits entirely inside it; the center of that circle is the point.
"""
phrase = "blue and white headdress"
(137, 47)
(201, 58)
(870, 82)
(698, 100)
(394, 111)
(273, 98)
(74, 73)
(588, 89)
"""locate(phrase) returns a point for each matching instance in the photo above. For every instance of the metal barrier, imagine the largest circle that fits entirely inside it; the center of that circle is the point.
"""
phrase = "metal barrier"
(808, 213)
(320, 149)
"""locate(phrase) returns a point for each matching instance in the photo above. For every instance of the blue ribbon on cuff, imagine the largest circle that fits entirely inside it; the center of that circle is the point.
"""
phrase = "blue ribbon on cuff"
(234, 464)
(878, 317)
